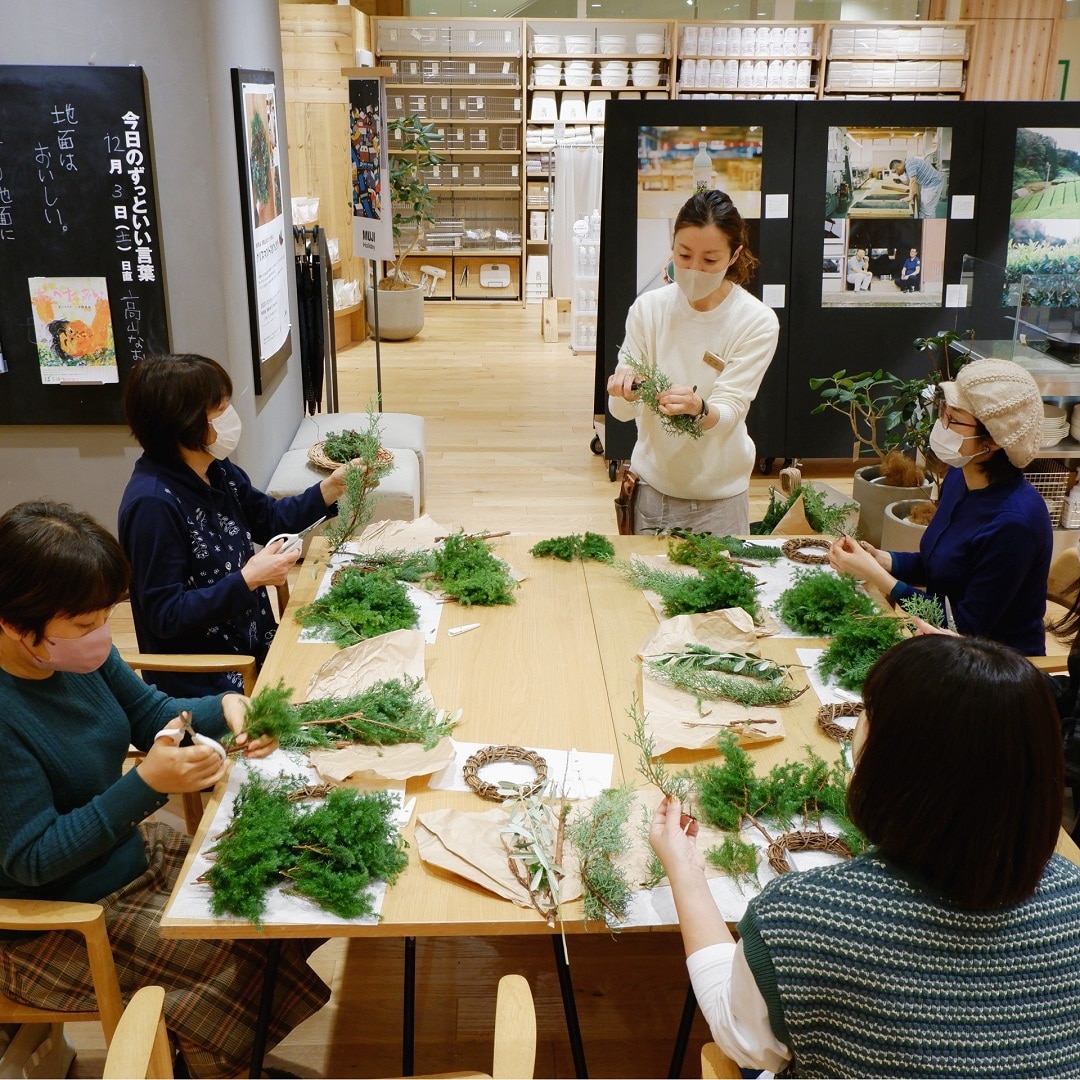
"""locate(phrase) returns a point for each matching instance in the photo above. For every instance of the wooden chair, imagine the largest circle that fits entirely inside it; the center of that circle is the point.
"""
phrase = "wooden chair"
(194, 663)
(140, 1048)
(716, 1065)
(88, 920)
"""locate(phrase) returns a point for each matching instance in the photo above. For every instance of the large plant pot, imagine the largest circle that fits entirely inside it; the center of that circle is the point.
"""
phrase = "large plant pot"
(401, 312)
(873, 496)
(897, 532)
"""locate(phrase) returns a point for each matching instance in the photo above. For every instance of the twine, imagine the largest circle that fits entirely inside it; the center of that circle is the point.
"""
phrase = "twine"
(827, 715)
(317, 456)
(491, 754)
(794, 550)
(818, 840)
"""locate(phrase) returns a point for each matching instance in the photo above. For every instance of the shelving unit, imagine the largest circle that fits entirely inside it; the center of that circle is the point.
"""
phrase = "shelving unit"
(466, 77)
(740, 60)
(897, 60)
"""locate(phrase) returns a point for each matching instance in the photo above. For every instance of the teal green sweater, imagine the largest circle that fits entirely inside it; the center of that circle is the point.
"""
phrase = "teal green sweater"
(865, 973)
(68, 815)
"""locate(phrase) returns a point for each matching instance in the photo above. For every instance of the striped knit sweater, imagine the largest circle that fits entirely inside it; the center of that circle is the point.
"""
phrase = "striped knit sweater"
(867, 974)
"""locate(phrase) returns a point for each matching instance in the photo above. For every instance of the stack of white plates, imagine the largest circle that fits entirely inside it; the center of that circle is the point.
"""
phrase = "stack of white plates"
(645, 72)
(578, 44)
(547, 72)
(547, 44)
(611, 44)
(1055, 424)
(578, 74)
(649, 44)
(1074, 429)
(614, 72)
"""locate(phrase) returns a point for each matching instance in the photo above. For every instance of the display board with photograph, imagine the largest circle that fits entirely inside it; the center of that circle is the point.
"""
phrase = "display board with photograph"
(80, 247)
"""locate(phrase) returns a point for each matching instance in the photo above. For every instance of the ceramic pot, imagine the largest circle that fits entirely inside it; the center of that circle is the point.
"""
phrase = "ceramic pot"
(897, 532)
(873, 496)
(401, 313)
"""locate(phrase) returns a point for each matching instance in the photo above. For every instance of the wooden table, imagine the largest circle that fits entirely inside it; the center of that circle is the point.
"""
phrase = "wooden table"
(554, 670)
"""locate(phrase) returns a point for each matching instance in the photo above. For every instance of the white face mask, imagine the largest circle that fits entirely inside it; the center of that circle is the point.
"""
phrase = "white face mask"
(227, 426)
(946, 444)
(696, 284)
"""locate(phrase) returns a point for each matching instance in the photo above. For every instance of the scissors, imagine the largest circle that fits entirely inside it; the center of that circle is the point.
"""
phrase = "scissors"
(177, 735)
(950, 622)
(293, 541)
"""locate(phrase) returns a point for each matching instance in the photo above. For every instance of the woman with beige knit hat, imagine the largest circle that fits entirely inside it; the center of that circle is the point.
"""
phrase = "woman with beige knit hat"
(987, 550)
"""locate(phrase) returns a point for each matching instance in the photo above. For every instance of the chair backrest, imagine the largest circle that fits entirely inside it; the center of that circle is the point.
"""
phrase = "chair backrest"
(194, 662)
(515, 1030)
(716, 1065)
(140, 1047)
(1064, 572)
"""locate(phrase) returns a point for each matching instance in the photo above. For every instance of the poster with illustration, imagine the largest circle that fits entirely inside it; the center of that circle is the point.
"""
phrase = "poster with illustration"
(267, 244)
(1044, 234)
(672, 161)
(369, 164)
(73, 330)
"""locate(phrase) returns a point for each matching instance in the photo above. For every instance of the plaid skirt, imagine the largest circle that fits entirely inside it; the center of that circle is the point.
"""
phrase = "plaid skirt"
(212, 988)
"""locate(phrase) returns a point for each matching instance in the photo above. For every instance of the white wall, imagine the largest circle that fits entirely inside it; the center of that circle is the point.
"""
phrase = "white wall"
(186, 49)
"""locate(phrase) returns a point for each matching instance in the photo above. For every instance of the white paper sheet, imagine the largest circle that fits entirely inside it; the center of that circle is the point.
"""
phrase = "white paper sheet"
(828, 693)
(193, 899)
(573, 773)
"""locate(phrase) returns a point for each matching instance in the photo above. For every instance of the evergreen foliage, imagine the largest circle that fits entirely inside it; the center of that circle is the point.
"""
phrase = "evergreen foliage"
(856, 646)
(467, 571)
(653, 768)
(818, 601)
(598, 836)
(746, 688)
(576, 546)
(652, 383)
(822, 517)
(925, 607)
(705, 551)
(722, 587)
(403, 565)
(360, 606)
(329, 854)
(355, 506)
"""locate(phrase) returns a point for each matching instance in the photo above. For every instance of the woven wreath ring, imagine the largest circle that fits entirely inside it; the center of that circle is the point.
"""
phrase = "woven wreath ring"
(317, 456)
(816, 840)
(795, 550)
(491, 754)
(827, 716)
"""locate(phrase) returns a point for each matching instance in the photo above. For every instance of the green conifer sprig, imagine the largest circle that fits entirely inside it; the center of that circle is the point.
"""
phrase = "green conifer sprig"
(467, 571)
(653, 768)
(705, 551)
(736, 858)
(822, 516)
(598, 835)
(575, 546)
(925, 607)
(404, 565)
(329, 854)
(696, 655)
(716, 686)
(359, 606)
(856, 646)
(387, 713)
(710, 590)
(653, 382)
(817, 602)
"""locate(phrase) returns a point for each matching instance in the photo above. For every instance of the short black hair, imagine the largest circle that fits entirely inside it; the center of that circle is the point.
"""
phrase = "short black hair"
(716, 208)
(167, 398)
(56, 561)
(895, 162)
(960, 780)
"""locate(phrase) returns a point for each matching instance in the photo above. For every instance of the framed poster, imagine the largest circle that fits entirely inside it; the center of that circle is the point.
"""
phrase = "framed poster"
(81, 270)
(269, 256)
(373, 236)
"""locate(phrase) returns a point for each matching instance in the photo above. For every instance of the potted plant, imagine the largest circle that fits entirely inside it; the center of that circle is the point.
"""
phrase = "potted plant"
(891, 418)
(401, 302)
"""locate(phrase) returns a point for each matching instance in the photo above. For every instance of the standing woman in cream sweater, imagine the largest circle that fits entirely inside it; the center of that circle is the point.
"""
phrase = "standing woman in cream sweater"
(715, 342)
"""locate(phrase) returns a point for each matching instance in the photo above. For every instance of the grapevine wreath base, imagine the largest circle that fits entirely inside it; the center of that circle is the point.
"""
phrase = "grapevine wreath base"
(491, 754)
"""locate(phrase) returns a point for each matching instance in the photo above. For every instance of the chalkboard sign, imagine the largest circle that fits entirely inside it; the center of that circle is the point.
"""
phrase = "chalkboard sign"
(81, 268)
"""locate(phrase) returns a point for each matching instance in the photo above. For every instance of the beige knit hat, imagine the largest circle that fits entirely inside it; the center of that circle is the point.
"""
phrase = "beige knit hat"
(1005, 399)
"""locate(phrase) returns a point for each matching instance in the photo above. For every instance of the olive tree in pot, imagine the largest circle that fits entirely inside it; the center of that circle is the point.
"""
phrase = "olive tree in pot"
(401, 302)
(891, 418)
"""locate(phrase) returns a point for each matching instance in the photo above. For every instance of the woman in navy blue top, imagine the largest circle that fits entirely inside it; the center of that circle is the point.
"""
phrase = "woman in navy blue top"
(190, 520)
(987, 550)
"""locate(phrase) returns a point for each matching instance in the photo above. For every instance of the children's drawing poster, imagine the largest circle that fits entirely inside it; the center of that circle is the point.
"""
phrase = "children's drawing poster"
(73, 330)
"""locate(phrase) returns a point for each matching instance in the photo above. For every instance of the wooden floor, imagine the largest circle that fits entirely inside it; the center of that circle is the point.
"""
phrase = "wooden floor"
(509, 422)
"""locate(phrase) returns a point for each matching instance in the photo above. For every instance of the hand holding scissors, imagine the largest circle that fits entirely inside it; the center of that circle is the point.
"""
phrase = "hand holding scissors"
(293, 541)
(170, 768)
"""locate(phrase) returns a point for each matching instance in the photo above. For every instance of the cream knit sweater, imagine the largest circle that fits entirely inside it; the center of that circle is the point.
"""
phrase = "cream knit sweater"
(664, 329)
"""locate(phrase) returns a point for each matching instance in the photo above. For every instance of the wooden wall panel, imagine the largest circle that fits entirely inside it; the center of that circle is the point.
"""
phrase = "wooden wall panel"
(1015, 55)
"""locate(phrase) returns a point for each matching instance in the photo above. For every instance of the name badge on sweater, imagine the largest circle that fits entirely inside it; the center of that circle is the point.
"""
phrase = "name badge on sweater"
(713, 360)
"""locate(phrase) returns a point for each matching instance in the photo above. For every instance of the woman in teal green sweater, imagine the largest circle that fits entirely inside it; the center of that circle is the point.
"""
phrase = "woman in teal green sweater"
(952, 947)
(73, 823)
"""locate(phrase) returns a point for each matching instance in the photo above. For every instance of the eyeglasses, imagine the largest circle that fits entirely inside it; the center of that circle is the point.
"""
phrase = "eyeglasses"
(947, 421)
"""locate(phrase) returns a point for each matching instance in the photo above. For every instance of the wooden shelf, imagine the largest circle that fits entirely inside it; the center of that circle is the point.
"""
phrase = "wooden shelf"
(893, 89)
(599, 56)
(444, 87)
(481, 253)
(421, 55)
(444, 150)
(478, 188)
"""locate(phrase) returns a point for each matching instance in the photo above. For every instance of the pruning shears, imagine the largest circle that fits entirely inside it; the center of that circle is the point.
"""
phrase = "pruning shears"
(177, 735)
(292, 541)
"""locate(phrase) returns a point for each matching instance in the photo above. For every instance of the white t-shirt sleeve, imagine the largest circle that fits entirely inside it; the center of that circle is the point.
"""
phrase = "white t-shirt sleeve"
(733, 1007)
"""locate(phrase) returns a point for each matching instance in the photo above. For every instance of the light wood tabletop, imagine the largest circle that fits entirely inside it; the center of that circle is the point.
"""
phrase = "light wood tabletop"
(555, 670)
